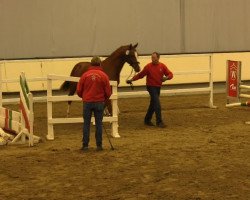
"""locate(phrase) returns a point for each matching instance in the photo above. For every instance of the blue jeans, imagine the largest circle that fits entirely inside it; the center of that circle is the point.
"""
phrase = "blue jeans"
(89, 108)
(154, 106)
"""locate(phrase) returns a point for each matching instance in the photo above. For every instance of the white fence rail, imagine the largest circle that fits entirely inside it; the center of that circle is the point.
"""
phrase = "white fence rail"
(51, 99)
(208, 89)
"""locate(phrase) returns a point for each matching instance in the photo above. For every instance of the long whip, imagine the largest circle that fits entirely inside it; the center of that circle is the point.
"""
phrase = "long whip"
(111, 146)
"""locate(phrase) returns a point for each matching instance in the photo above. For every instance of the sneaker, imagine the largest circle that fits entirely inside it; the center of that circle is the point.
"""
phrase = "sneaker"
(85, 148)
(99, 148)
(148, 123)
(161, 125)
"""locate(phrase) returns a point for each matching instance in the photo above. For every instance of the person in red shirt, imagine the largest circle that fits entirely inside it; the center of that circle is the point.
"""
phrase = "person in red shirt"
(94, 89)
(154, 72)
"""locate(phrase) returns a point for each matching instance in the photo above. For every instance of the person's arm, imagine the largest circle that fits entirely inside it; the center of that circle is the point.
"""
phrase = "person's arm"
(140, 75)
(169, 75)
(80, 86)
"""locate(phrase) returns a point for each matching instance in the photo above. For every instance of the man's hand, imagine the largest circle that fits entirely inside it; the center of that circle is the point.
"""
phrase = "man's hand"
(128, 81)
(164, 78)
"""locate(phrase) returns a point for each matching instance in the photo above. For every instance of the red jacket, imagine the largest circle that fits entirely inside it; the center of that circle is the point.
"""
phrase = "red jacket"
(154, 74)
(94, 86)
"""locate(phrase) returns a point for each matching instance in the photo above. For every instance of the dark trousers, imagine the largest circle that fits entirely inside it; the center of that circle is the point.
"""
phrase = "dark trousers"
(89, 108)
(154, 106)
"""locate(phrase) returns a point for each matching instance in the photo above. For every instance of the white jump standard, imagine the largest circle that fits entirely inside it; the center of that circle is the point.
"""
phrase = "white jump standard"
(20, 124)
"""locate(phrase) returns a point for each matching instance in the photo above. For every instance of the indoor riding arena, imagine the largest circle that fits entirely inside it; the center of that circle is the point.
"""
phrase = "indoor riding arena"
(202, 153)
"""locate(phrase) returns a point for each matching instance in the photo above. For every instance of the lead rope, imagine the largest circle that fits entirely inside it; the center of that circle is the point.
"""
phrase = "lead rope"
(131, 84)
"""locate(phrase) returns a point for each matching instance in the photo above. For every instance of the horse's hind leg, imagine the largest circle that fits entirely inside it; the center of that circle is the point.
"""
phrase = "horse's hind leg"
(72, 91)
(108, 108)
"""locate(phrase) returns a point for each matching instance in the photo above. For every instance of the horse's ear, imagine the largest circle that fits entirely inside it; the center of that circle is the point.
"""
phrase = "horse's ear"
(136, 45)
(130, 46)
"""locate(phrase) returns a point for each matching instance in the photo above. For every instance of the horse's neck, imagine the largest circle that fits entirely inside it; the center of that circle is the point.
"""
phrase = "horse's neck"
(113, 66)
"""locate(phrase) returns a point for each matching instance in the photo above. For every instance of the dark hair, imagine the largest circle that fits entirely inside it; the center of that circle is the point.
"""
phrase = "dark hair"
(95, 61)
(157, 54)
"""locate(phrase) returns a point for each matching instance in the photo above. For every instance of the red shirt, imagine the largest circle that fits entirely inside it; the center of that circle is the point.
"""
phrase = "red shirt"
(94, 85)
(154, 74)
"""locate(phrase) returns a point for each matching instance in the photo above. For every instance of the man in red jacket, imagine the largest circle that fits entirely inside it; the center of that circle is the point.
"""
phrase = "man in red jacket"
(154, 72)
(94, 89)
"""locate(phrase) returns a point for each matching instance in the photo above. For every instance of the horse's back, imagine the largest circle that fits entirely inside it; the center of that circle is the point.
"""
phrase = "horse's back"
(79, 69)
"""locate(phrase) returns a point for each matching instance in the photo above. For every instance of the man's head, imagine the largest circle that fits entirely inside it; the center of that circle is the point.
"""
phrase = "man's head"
(96, 61)
(155, 58)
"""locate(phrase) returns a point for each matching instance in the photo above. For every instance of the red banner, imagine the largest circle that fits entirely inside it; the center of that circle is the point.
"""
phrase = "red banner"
(233, 78)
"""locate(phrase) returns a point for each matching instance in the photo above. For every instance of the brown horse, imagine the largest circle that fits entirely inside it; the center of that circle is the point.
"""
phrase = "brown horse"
(112, 66)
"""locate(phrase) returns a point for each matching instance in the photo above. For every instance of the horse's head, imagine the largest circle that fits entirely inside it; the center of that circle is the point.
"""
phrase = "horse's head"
(131, 56)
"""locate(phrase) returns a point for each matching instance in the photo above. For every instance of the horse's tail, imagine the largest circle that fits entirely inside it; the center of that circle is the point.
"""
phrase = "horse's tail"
(65, 86)
(77, 71)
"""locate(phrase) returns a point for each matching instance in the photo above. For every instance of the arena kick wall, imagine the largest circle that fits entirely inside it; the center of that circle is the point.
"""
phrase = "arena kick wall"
(41, 68)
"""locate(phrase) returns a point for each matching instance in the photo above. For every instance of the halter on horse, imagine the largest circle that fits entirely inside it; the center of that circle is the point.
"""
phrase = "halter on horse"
(112, 66)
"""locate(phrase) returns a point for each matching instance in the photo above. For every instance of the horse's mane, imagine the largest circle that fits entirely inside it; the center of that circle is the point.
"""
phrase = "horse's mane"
(119, 50)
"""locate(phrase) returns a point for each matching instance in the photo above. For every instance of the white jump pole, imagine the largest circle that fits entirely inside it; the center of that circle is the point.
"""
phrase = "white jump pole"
(211, 81)
(247, 103)
(115, 113)
(245, 86)
(245, 95)
(50, 135)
